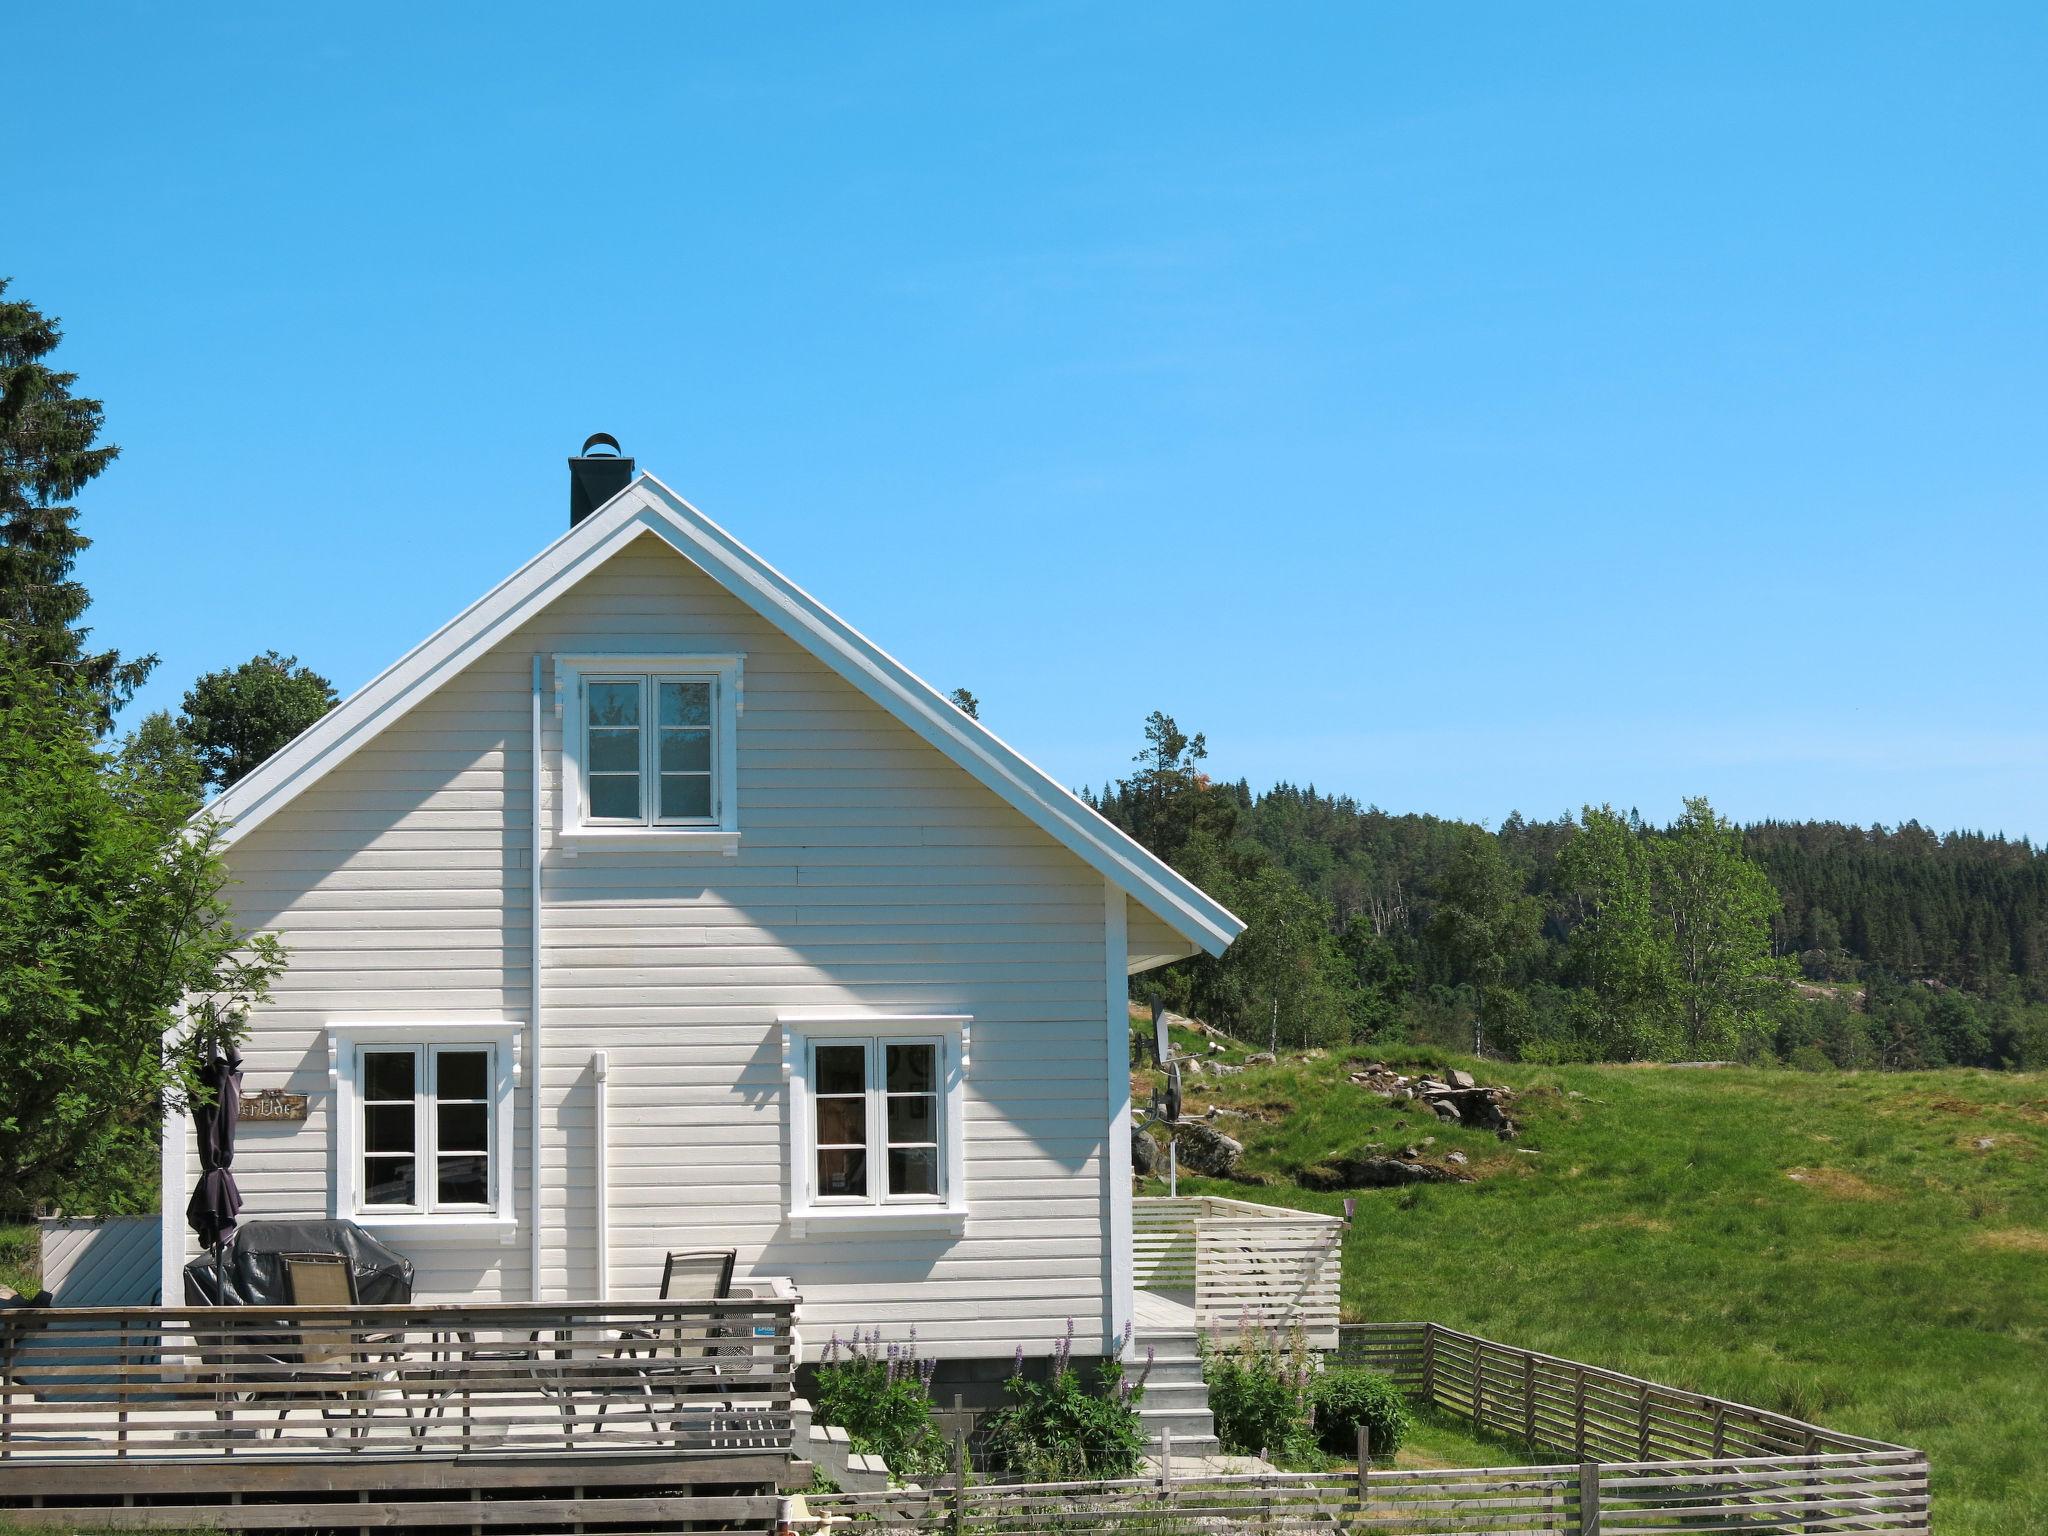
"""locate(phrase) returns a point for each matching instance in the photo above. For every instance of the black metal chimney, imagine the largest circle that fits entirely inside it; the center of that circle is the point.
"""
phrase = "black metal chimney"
(595, 478)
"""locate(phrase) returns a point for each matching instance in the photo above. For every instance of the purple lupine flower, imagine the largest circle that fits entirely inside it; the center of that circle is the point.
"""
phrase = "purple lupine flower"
(832, 1349)
(1151, 1354)
(1017, 1362)
(1125, 1342)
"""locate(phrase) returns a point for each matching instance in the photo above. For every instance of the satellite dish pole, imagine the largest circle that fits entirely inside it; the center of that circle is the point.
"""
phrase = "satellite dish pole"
(1166, 1106)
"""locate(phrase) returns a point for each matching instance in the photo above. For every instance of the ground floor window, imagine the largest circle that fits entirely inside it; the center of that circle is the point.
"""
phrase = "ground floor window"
(423, 1122)
(876, 1114)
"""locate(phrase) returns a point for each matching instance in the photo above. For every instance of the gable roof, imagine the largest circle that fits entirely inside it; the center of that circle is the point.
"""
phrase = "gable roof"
(648, 506)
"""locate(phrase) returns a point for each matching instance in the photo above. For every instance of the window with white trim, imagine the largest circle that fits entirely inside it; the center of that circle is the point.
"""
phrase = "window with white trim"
(876, 1116)
(875, 1120)
(426, 1134)
(649, 748)
(423, 1123)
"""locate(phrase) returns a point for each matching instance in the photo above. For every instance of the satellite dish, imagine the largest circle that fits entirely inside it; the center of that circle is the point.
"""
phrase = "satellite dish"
(1173, 1093)
(1162, 1046)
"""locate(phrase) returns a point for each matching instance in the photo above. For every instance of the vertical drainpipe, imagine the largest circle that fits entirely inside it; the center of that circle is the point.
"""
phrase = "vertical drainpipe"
(600, 1075)
(533, 1006)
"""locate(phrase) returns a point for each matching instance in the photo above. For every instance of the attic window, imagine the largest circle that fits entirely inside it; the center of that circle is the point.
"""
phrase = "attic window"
(649, 750)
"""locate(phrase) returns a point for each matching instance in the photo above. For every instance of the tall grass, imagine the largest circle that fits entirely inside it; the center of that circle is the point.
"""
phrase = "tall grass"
(1649, 1220)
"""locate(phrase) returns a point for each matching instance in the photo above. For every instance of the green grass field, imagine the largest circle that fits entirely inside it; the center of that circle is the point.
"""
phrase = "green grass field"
(1866, 1251)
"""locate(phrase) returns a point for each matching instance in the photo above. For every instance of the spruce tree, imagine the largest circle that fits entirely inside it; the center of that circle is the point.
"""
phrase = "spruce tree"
(47, 453)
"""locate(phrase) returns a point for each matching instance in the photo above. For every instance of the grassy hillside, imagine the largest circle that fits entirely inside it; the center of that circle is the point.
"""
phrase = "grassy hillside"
(1866, 1250)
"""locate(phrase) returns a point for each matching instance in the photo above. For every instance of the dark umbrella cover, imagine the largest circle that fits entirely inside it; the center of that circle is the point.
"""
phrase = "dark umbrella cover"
(216, 1202)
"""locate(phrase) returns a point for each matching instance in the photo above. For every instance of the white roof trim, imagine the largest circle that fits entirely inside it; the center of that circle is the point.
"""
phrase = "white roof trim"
(648, 506)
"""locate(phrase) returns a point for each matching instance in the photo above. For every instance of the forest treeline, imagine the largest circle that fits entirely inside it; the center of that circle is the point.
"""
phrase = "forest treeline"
(1602, 936)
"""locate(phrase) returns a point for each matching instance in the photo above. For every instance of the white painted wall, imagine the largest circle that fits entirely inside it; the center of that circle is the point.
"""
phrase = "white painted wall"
(872, 873)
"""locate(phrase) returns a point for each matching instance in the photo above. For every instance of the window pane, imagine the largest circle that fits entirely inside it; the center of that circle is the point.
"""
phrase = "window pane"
(685, 795)
(387, 1181)
(843, 1172)
(615, 795)
(387, 1074)
(685, 703)
(463, 1181)
(614, 752)
(685, 751)
(842, 1121)
(614, 704)
(387, 1128)
(913, 1171)
(910, 1068)
(913, 1118)
(465, 1128)
(842, 1069)
(462, 1074)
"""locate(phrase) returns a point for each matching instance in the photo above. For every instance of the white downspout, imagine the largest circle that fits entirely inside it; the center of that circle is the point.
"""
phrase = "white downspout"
(533, 1006)
(600, 1073)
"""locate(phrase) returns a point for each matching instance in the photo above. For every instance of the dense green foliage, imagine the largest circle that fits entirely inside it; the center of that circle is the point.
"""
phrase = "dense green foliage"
(1056, 1428)
(1348, 1398)
(238, 716)
(113, 934)
(1259, 1384)
(881, 1396)
(1868, 1250)
(48, 451)
(1597, 937)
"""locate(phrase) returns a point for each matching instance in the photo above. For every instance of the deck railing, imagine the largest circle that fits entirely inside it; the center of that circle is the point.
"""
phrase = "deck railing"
(131, 1383)
(1244, 1265)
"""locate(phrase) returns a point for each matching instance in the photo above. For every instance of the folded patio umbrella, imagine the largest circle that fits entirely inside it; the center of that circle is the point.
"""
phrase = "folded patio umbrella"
(216, 1202)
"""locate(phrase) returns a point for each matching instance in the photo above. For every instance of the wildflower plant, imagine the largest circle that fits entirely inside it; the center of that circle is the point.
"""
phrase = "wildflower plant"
(880, 1394)
(1058, 1429)
(1261, 1391)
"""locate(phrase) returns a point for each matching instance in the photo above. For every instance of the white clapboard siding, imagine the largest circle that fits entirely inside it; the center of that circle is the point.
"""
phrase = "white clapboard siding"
(871, 874)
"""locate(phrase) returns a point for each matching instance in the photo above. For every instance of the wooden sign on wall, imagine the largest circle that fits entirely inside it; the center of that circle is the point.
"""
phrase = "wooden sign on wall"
(273, 1104)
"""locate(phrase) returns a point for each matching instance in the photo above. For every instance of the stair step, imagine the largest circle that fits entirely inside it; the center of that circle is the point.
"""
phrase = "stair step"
(1192, 1396)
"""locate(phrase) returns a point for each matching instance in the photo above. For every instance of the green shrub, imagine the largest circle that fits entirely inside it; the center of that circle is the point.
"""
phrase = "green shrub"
(882, 1398)
(1347, 1398)
(1057, 1430)
(1259, 1394)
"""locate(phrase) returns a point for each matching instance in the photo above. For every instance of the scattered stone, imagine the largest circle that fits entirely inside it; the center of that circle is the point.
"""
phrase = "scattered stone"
(1215, 1049)
(1204, 1149)
(1462, 1079)
(1456, 1157)
(1259, 1059)
(1224, 1111)
(1379, 1173)
(1445, 1110)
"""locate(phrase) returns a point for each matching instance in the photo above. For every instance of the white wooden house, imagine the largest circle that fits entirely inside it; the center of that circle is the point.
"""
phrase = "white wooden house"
(647, 905)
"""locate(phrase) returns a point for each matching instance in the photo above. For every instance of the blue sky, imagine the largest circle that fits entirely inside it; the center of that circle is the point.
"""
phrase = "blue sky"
(1467, 407)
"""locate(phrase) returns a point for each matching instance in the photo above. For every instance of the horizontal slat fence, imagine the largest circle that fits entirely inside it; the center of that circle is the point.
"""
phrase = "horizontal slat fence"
(1248, 1266)
(1580, 1410)
(1647, 1460)
(122, 1384)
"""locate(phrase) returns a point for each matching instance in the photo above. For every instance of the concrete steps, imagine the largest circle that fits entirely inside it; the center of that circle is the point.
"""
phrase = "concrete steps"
(1176, 1398)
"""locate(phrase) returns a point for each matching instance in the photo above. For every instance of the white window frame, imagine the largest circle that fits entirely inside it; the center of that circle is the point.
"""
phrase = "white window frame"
(718, 833)
(346, 1045)
(877, 1210)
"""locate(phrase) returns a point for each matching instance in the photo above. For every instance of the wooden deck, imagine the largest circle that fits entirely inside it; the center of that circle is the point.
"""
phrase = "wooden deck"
(667, 1416)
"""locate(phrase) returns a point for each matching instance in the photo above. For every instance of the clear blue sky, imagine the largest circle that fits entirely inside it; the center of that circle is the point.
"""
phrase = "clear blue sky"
(1467, 407)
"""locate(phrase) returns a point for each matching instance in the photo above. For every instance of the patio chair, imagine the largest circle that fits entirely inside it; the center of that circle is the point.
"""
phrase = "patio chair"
(654, 1357)
(325, 1360)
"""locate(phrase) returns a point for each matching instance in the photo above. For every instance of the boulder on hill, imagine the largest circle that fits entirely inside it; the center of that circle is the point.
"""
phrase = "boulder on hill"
(1204, 1149)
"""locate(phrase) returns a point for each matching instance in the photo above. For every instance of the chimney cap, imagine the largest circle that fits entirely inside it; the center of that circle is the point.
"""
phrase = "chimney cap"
(601, 438)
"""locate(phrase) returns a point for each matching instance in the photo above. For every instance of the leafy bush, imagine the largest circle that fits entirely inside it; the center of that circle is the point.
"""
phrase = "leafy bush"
(1259, 1394)
(882, 1398)
(1057, 1430)
(1347, 1398)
